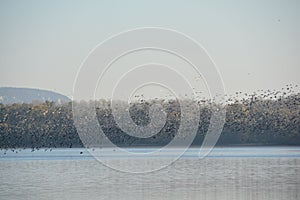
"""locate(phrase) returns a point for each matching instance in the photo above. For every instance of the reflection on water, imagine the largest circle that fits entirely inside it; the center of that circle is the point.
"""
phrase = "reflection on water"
(228, 173)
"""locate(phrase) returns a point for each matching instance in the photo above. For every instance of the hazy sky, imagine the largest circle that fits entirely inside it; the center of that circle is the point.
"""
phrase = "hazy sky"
(255, 44)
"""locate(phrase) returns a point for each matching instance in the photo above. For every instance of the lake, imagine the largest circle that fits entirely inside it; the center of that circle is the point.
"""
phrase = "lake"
(234, 173)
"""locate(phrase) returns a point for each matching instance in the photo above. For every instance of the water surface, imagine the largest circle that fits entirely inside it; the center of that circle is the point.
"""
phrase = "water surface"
(227, 173)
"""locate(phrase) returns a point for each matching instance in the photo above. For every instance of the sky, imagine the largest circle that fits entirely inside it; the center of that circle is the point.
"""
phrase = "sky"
(255, 44)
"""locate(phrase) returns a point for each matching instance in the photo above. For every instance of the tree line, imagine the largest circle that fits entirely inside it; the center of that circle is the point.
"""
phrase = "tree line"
(252, 121)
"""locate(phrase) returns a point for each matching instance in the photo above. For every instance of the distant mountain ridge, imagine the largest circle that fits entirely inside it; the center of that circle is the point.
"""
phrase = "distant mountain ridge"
(10, 95)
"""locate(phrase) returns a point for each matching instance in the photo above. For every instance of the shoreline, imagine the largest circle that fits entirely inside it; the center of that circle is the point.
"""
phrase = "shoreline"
(156, 146)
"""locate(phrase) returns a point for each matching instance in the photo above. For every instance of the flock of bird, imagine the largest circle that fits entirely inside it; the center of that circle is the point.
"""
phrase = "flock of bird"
(263, 116)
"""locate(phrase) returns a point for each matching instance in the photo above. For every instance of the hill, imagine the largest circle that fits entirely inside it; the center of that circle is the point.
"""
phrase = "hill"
(10, 95)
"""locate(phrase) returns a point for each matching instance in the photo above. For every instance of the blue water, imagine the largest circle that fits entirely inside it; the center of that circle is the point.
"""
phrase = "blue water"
(83, 154)
(231, 173)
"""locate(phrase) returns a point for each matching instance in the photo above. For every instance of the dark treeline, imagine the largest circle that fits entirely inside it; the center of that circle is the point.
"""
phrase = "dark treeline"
(253, 121)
